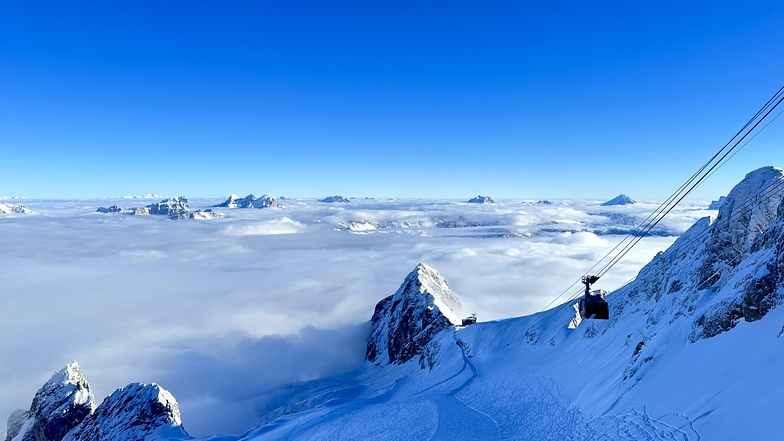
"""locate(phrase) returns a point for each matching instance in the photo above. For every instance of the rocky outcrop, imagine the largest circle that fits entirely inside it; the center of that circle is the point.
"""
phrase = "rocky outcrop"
(335, 199)
(16, 423)
(6, 208)
(201, 215)
(59, 406)
(171, 207)
(721, 271)
(621, 199)
(481, 200)
(250, 201)
(114, 209)
(715, 205)
(404, 323)
(134, 412)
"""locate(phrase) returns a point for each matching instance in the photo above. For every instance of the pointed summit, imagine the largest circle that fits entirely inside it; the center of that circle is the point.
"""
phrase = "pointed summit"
(621, 199)
(59, 406)
(405, 322)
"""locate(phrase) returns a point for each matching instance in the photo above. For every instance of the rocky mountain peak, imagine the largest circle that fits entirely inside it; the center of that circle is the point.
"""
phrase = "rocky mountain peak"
(250, 201)
(479, 199)
(405, 322)
(134, 412)
(720, 271)
(59, 406)
(750, 208)
(621, 199)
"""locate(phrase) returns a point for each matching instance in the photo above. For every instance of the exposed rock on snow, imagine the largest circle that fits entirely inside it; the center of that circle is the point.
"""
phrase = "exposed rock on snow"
(15, 423)
(621, 199)
(174, 208)
(135, 412)
(59, 406)
(6, 208)
(738, 259)
(481, 200)
(715, 205)
(114, 209)
(201, 215)
(335, 199)
(250, 201)
(404, 323)
(171, 207)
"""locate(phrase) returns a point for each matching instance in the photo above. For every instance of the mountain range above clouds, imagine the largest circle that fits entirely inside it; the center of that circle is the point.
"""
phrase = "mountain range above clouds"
(657, 369)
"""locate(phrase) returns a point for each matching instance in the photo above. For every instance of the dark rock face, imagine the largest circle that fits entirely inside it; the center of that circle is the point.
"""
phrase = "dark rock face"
(16, 421)
(403, 324)
(481, 200)
(132, 413)
(60, 405)
(335, 199)
(112, 209)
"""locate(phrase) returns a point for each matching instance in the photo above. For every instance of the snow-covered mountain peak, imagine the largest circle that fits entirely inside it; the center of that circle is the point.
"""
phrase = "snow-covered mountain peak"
(751, 207)
(621, 199)
(134, 412)
(479, 199)
(250, 201)
(404, 323)
(426, 280)
(59, 406)
(6, 208)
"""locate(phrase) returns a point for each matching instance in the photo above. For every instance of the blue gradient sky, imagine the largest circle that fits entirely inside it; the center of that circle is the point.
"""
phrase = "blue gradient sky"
(510, 99)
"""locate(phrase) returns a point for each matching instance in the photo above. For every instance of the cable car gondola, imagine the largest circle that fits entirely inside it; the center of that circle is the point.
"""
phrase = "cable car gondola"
(593, 306)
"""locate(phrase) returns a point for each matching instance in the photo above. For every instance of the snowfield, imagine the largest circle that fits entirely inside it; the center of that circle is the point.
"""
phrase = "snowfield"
(228, 314)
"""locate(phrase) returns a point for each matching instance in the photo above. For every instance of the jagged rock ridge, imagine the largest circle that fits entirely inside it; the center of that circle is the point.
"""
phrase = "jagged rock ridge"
(250, 201)
(59, 406)
(335, 199)
(174, 208)
(479, 199)
(404, 323)
(134, 412)
(736, 260)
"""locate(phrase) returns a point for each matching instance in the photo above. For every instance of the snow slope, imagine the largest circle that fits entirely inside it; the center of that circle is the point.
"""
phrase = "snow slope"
(651, 372)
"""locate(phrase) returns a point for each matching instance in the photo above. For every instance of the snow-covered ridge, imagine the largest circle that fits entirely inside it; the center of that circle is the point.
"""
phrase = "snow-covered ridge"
(59, 406)
(174, 208)
(6, 208)
(481, 200)
(336, 199)
(65, 409)
(134, 412)
(250, 201)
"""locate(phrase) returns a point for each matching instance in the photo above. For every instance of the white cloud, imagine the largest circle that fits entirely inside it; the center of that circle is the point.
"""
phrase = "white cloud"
(250, 296)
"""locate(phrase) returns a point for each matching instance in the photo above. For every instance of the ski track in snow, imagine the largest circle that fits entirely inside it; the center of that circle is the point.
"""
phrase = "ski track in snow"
(456, 418)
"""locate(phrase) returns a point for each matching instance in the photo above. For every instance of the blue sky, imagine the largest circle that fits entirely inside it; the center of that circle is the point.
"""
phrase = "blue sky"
(448, 99)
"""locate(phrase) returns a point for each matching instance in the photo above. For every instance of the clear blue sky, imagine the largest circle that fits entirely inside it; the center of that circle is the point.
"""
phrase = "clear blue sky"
(428, 99)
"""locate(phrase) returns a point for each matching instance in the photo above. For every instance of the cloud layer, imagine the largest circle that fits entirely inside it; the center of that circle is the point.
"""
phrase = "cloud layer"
(223, 311)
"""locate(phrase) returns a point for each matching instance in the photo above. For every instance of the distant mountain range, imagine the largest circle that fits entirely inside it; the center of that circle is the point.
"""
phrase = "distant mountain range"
(692, 350)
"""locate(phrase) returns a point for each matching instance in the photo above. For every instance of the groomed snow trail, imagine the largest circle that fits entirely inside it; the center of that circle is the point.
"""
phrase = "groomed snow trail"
(457, 419)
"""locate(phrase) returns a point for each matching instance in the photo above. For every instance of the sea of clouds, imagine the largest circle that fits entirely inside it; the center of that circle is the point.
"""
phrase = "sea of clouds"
(226, 312)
